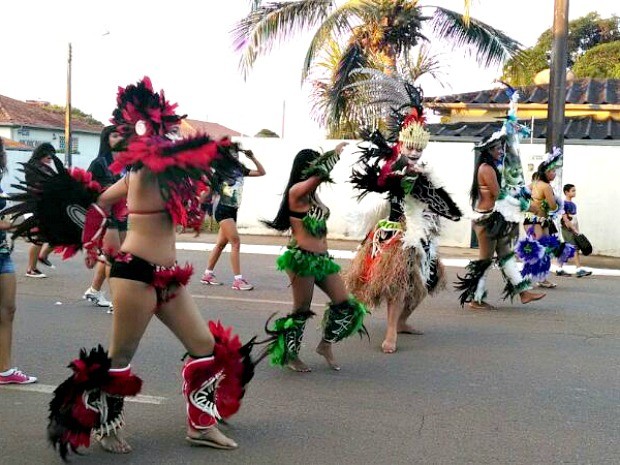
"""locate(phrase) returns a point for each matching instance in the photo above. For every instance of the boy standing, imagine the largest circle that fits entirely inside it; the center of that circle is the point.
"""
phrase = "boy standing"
(570, 229)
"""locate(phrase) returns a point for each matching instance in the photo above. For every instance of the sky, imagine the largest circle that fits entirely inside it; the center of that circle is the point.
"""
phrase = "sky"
(186, 48)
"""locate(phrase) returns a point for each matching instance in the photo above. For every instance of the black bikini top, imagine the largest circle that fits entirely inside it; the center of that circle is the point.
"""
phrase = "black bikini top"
(315, 219)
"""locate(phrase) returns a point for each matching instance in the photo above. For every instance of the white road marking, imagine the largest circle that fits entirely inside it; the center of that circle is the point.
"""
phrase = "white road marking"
(349, 254)
(49, 389)
(241, 299)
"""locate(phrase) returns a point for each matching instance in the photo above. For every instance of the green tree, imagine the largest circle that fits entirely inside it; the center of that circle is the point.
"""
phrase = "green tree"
(75, 113)
(358, 34)
(602, 61)
(584, 34)
(266, 133)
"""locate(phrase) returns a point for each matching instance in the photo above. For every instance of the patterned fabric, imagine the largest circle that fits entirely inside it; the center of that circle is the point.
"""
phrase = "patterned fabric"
(287, 333)
(230, 188)
(343, 320)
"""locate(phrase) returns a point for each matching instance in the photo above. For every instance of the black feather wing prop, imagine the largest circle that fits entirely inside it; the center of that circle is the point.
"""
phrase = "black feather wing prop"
(52, 206)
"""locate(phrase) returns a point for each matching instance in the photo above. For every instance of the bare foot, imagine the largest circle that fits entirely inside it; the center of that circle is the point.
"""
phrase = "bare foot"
(299, 366)
(527, 296)
(114, 443)
(404, 328)
(480, 306)
(388, 347)
(210, 437)
(325, 349)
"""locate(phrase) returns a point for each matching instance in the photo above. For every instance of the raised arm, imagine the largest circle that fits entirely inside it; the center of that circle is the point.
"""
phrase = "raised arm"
(319, 171)
(259, 171)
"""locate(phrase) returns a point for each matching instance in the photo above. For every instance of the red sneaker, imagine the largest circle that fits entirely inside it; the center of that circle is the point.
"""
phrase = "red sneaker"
(209, 279)
(242, 285)
(17, 377)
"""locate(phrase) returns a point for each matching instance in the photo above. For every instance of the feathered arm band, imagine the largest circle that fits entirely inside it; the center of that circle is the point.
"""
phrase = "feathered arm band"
(323, 166)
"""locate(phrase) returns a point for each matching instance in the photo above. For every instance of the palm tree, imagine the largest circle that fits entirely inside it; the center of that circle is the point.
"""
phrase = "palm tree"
(342, 110)
(358, 34)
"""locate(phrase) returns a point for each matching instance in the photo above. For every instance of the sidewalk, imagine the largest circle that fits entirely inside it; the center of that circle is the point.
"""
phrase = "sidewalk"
(593, 261)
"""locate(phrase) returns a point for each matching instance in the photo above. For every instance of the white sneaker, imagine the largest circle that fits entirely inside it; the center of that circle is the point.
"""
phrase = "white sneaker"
(35, 274)
(97, 297)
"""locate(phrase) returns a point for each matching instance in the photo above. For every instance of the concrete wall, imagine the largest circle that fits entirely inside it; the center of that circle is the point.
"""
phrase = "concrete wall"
(593, 169)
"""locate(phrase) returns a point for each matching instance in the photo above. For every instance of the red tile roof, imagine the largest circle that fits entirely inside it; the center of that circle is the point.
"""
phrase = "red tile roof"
(16, 112)
(10, 144)
(214, 130)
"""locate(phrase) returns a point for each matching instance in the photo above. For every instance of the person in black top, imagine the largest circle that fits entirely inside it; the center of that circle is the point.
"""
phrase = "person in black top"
(117, 228)
(227, 202)
(43, 156)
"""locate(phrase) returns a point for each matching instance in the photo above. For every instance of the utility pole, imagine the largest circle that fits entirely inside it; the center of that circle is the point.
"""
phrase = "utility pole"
(68, 160)
(557, 81)
(283, 117)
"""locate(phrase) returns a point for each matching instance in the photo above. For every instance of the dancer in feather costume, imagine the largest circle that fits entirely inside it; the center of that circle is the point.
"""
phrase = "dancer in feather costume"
(398, 260)
(542, 242)
(307, 263)
(499, 199)
(163, 176)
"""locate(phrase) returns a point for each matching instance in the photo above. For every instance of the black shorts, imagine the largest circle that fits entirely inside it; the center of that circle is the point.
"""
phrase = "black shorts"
(134, 268)
(224, 212)
(207, 207)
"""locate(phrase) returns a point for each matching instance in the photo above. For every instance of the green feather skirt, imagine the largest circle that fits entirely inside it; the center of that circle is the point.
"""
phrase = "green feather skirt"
(304, 263)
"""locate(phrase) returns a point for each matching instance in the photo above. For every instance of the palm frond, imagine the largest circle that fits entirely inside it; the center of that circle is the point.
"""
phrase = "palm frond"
(337, 24)
(402, 26)
(268, 24)
(354, 57)
(425, 62)
(490, 45)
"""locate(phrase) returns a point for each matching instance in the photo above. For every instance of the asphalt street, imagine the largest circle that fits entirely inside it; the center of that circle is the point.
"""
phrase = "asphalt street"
(535, 384)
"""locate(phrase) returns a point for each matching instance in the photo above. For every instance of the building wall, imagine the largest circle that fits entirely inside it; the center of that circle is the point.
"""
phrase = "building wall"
(87, 143)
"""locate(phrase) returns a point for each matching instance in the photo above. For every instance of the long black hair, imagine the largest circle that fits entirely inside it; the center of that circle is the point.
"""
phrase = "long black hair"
(41, 151)
(302, 160)
(482, 156)
(541, 171)
(105, 150)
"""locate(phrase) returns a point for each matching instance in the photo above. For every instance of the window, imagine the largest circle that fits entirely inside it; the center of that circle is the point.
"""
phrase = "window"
(74, 144)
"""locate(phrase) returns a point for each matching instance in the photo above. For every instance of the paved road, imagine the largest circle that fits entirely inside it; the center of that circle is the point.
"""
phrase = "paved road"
(531, 384)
